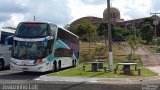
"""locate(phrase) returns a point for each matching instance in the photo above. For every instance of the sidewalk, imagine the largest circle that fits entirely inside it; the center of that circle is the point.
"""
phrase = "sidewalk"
(150, 61)
(155, 69)
(152, 80)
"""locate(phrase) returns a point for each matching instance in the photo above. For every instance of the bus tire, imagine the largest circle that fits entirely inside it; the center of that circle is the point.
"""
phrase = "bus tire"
(59, 65)
(54, 67)
(1, 64)
(73, 63)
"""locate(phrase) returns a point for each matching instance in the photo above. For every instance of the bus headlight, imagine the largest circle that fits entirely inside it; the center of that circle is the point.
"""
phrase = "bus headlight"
(39, 61)
(14, 62)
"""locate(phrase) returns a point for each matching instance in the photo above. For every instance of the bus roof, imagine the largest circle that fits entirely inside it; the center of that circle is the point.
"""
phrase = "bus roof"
(37, 22)
(54, 24)
(69, 32)
(8, 30)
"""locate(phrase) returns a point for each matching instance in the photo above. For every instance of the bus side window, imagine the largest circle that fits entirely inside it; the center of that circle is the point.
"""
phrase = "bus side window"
(49, 47)
(53, 29)
(62, 52)
(10, 41)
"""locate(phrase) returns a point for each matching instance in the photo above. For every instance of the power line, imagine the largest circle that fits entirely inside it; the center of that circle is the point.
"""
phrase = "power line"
(154, 13)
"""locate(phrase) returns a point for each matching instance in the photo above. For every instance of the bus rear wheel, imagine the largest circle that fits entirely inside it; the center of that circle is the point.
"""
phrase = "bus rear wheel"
(1, 65)
(75, 63)
(54, 67)
(59, 65)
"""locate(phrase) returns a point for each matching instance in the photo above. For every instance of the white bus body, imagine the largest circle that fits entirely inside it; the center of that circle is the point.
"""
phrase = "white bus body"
(5, 50)
(40, 49)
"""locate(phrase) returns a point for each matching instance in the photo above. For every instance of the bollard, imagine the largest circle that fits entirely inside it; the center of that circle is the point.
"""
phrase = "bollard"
(139, 72)
(115, 71)
(104, 69)
(135, 68)
(117, 67)
(84, 68)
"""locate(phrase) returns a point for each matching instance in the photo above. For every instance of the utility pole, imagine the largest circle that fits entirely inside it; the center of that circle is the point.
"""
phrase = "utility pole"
(109, 37)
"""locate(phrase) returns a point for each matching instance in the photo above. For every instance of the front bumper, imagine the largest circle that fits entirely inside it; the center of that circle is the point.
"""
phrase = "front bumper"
(36, 68)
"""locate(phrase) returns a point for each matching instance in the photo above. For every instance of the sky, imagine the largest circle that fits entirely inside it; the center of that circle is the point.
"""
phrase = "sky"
(62, 12)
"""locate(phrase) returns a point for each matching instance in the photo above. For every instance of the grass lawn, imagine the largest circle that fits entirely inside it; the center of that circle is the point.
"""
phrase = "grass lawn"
(119, 56)
(79, 72)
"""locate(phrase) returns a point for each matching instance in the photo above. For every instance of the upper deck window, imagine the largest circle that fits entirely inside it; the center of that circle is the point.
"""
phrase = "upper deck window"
(32, 30)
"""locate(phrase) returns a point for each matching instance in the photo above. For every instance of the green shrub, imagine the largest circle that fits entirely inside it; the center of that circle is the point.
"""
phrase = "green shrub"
(158, 41)
(158, 50)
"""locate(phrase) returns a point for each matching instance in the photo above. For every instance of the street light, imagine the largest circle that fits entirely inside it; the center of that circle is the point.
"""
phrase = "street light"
(155, 32)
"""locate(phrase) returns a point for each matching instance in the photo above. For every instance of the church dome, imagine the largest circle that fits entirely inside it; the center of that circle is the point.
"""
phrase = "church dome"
(114, 13)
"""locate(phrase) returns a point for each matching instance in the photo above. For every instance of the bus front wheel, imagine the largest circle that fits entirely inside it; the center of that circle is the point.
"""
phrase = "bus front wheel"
(73, 62)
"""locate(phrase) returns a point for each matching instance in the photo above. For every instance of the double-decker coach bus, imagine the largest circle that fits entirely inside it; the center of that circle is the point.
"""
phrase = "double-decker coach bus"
(43, 46)
(5, 49)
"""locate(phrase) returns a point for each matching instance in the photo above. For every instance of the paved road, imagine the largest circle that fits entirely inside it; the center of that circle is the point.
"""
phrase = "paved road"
(14, 75)
(48, 85)
(10, 80)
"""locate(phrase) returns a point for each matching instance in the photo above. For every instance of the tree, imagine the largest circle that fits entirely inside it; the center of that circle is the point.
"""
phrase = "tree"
(120, 33)
(102, 29)
(117, 32)
(81, 32)
(146, 20)
(90, 31)
(86, 31)
(147, 32)
(131, 41)
(73, 29)
(66, 26)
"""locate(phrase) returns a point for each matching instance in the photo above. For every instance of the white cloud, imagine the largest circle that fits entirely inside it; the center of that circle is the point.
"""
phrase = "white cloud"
(93, 2)
(56, 11)
(8, 7)
(80, 9)
(63, 12)
(129, 9)
(132, 9)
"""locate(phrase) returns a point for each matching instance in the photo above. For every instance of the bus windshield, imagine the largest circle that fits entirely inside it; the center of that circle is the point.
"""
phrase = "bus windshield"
(28, 50)
(33, 30)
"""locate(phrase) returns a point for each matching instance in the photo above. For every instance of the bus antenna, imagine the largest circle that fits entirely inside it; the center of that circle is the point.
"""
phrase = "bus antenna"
(34, 18)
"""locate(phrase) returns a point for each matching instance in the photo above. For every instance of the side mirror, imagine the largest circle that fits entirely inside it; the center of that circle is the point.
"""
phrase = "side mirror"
(45, 42)
(7, 39)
